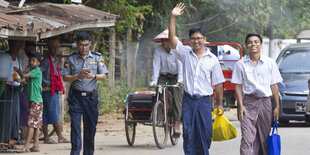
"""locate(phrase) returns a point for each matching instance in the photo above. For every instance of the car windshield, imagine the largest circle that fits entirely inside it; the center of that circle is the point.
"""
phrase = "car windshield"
(294, 61)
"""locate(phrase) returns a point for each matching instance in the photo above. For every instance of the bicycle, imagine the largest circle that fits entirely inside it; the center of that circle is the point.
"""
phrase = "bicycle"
(150, 108)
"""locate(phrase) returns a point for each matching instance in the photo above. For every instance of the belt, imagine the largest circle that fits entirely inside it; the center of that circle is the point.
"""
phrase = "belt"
(169, 75)
(82, 93)
(195, 96)
(256, 95)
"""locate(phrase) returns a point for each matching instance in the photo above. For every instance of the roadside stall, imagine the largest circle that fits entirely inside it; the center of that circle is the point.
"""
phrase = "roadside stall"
(40, 21)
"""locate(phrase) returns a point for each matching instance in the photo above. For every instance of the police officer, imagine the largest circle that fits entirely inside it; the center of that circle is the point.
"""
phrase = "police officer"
(83, 68)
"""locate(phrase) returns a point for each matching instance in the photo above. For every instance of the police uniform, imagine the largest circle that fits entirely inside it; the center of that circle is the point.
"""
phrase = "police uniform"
(83, 99)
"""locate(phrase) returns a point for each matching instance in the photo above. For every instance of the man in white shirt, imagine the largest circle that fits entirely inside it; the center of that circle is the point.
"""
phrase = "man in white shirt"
(260, 77)
(167, 69)
(201, 70)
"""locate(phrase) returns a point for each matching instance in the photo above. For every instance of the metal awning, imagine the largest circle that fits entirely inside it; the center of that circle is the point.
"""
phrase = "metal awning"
(46, 20)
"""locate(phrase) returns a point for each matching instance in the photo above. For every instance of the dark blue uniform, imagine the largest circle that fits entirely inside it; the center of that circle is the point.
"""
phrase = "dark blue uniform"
(83, 100)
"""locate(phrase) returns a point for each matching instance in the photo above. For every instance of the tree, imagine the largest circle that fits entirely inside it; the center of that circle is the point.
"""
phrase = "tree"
(274, 19)
(129, 28)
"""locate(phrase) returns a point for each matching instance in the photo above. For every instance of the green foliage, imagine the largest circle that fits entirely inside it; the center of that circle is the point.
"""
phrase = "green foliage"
(130, 12)
(113, 101)
(3, 44)
(288, 16)
(67, 1)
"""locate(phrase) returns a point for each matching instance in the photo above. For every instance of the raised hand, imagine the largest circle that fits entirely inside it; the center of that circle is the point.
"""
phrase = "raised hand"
(178, 10)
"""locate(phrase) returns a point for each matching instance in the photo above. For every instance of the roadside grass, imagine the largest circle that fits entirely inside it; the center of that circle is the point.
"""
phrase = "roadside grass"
(113, 101)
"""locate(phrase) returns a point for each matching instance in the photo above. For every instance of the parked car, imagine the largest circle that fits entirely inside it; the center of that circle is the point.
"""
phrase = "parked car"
(294, 66)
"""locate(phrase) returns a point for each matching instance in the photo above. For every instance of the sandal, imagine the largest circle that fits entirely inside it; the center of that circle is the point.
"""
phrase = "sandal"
(176, 134)
(23, 150)
(33, 150)
(50, 141)
(64, 140)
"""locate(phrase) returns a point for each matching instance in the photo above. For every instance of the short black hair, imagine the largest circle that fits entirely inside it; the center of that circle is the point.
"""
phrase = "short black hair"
(83, 36)
(35, 55)
(251, 35)
(200, 30)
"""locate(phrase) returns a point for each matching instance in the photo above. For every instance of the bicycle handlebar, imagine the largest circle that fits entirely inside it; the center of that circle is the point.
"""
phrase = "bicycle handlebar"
(166, 85)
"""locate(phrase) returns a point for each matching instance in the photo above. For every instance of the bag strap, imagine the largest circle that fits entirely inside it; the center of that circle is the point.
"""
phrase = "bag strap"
(275, 126)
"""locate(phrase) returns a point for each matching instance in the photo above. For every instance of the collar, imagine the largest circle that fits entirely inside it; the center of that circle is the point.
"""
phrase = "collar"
(53, 58)
(208, 53)
(262, 58)
(88, 55)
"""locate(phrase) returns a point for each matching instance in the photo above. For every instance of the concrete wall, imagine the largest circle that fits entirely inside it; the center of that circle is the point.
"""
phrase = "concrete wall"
(277, 46)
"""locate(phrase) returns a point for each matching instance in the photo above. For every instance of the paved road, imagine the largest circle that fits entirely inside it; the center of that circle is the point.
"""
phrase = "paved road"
(111, 140)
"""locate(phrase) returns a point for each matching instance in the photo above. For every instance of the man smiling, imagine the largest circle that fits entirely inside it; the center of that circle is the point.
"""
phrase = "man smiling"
(259, 76)
(201, 70)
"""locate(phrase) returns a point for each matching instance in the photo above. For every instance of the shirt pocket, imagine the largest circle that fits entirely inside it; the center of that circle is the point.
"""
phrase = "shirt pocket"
(93, 68)
(205, 71)
(263, 77)
(76, 69)
(248, 78)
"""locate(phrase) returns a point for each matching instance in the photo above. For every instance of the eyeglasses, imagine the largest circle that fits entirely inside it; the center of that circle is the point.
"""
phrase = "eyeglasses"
(198, 39)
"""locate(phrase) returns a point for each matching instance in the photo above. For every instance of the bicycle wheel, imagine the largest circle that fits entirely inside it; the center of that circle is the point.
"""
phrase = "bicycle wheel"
(173, 140)
(130, 132)
(160, 126)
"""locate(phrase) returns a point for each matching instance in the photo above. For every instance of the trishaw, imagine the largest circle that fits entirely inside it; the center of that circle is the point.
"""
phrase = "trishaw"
(150, 108)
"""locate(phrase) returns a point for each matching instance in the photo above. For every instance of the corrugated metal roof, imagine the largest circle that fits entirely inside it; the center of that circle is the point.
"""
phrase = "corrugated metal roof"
(47, 19)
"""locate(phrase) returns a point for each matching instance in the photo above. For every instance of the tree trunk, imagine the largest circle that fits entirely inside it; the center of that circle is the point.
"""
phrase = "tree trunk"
(130, 59)
(271, 36)
(149, 62)
(111, 74)
(95, 41)
(122, 68)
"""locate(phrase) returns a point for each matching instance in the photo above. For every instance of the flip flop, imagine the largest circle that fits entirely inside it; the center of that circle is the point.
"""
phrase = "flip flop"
(176, 134)
(33, 150)
(51, 141)
(64, 141)
(22, 150)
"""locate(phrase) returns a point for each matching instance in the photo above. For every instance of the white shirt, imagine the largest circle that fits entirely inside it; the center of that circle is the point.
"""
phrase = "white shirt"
(199, 75)
(164, 63)
(24, 61)
(256, 78)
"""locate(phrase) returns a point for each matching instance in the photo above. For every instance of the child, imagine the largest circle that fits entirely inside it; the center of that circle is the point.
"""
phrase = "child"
(34, 94)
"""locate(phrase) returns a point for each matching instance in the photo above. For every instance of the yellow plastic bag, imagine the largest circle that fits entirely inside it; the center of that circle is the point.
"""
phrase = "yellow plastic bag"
(222, 128)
